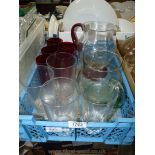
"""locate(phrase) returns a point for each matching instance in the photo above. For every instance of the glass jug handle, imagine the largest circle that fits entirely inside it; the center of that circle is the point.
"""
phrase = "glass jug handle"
(74, 35)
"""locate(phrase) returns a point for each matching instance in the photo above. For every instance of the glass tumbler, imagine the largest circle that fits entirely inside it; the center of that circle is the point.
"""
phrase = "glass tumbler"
(60, 97)
(67, 47)
(49, 49)
(41, 59)
(54, 41)
(31, 86)
(63, 64)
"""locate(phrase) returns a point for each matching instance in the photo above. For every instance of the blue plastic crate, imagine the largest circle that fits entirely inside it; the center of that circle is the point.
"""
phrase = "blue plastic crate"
(118, 131)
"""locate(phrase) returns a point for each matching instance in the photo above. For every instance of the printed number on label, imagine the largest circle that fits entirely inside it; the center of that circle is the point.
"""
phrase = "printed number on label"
(73, 124)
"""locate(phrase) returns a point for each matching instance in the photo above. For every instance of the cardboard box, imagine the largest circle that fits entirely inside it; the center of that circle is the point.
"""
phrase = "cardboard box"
(128, 75)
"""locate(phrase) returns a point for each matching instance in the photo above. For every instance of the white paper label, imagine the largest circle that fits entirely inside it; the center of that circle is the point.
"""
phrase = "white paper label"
(56, 129)
(73, 124)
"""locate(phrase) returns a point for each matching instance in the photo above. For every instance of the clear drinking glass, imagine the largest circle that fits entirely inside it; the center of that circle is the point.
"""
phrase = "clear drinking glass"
(60, 97)
(101, 100)
(41, 59)
(63, 64)
(67, 47)
(54, 41)
(49, 49)
(31, 86)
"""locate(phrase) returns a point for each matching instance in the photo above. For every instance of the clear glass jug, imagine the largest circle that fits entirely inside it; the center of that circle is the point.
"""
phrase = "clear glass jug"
(96, 35)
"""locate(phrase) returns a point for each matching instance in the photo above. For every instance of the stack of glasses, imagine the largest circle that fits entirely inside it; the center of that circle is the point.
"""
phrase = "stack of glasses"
(100, 78)
(97, 93)
(101, 85)
(52, 89)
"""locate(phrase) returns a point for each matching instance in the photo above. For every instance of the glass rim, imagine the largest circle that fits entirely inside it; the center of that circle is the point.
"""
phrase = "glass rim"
(111, 100)
(49, 48)
(43, 56)
(113, 27)
(118, 67)
(67, 42)
(52, 39)
(75, 88)
(74, 64)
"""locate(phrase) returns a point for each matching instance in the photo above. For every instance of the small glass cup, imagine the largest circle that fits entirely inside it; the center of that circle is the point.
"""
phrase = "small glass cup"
(63, 64)
(31, 86)
(60, 97)
(41, 59)
(54, 41)
(49, 49)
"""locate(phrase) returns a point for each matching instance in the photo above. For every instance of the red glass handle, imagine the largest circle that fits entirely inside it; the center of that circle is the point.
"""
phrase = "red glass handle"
(74, 35)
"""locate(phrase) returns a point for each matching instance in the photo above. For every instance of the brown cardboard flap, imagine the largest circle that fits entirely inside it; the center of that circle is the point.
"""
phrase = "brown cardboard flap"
(128, 75)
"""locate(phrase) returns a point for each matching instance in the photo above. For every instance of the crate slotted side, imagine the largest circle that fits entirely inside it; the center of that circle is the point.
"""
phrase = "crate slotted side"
(120, 131)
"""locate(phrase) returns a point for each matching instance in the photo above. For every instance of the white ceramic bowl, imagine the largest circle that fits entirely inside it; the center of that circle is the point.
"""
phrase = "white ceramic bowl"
(81, 11)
